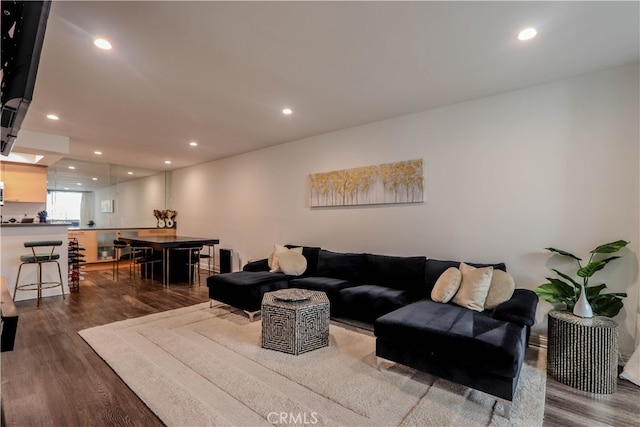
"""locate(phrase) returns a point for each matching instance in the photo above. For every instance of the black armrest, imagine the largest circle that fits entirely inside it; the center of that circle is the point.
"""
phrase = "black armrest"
(520, 309)
(259, 265)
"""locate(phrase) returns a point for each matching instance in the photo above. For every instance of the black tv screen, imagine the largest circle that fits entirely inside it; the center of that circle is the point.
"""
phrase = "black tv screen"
(23, 28)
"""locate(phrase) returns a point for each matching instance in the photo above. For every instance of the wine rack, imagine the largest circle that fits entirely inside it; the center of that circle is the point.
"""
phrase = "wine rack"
(76, 260)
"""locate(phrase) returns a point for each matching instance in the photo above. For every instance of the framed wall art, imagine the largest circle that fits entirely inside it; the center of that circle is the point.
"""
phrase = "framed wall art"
(390, 183)
(106, 206)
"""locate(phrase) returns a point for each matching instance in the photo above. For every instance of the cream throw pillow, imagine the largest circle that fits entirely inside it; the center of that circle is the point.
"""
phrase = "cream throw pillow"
(501, 289)
(277, 251)
(447, 285)
(631, 371)
(474, 287)
(292, 263)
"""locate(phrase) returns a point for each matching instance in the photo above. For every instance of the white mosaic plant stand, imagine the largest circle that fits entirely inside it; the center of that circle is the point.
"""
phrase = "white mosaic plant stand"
(295, 321)
(583, 352)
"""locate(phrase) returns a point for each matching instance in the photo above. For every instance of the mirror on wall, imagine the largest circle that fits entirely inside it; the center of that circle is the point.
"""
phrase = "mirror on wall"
(105, 195)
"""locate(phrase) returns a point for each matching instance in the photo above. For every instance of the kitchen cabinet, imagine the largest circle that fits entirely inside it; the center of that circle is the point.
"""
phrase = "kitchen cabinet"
(24, 183)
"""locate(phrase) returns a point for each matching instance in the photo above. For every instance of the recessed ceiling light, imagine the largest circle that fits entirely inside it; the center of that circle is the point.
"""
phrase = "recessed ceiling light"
(99, 153)
(527, 34)
(193, 144)
(52, 117)
(72, 167)
(66, 188)
(102, 44)
(130, 173)
(287, 111)
(94, 178)
(78, 183)
(167, 162)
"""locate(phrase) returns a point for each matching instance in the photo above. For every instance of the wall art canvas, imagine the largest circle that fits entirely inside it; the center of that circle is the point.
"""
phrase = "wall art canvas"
(400, 182)
(106, 206)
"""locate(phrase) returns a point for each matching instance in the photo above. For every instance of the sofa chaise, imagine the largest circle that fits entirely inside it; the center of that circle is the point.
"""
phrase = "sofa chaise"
(482, 349)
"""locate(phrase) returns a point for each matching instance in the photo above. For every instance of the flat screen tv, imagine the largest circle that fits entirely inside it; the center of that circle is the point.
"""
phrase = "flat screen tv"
(23, 27)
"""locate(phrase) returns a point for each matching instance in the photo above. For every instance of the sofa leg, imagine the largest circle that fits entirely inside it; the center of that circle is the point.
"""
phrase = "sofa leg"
(251, 314)
(507, 409)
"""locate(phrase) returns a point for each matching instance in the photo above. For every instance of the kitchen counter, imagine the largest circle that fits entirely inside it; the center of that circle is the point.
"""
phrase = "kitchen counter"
(33, 224)
(114, 228)
(68, 225)
(12, 246)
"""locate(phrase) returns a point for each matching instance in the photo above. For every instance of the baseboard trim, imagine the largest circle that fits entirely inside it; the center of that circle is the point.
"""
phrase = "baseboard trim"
(538, 340)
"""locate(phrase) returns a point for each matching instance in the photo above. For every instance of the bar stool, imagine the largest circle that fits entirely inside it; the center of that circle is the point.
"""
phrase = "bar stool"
(209, 256)
(118, 246)
(193, 261)
(39, 259)
(142, 256)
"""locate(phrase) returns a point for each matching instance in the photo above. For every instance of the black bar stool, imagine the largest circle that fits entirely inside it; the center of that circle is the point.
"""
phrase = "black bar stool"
(39, 258)
(192, 261)
(142, 256)
(118, 246)
(209, 256)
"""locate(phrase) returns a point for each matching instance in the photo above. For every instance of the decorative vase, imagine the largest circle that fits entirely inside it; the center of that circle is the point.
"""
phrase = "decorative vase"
(42, 218)
(582, 307)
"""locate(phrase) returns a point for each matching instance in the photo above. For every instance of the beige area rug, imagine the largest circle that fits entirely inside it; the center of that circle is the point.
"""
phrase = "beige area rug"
(201, 366)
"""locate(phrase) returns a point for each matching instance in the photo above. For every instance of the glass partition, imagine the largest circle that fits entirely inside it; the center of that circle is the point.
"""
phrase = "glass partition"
(111, 196)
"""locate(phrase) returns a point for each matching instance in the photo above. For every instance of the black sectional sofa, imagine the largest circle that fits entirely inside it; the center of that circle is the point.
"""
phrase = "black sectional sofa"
(483, 350)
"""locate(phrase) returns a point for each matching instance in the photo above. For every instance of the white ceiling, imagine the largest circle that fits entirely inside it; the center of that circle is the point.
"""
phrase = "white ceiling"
(220, 73)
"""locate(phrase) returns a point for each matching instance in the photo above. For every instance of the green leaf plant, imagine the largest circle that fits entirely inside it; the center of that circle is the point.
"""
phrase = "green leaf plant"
(567, 290)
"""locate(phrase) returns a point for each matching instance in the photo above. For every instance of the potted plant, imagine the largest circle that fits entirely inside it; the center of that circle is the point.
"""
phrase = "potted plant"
(569, 291)
(91, 223)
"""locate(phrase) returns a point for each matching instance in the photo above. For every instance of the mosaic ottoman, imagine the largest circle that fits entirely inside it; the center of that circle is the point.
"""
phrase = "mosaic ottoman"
(295, 320)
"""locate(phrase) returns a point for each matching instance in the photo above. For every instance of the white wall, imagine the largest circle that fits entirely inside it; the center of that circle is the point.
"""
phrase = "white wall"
(135, 201)
(505, 177)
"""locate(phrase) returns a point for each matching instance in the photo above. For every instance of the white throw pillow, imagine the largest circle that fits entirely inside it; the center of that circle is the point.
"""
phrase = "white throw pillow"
(447, 285)
(501, 289)
(277, 251)
(292, 263)
(631, 370)
(474, 287)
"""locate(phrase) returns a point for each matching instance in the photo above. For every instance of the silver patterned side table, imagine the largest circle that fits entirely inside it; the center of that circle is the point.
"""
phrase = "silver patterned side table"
(583, 353)
(295, 321)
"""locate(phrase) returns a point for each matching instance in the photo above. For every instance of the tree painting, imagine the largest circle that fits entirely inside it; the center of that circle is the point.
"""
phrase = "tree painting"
(400, 182)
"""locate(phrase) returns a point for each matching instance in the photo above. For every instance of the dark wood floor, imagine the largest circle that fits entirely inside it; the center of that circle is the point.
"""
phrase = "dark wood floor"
(53, 378)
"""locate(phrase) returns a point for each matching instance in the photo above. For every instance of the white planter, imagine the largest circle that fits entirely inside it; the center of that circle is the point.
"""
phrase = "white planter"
(582, 307)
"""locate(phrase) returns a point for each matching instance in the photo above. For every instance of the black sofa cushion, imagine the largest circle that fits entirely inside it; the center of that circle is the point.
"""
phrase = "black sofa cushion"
(368, 302)
(259, 265)
(404, 273)
(311, 254)
(345, 266)
(435, 267)
(520, 309)
(328, 285)
(456, 336)
(245, 289)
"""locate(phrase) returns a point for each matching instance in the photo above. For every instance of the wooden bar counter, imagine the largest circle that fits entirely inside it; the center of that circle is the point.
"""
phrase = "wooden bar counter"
(12, 247)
